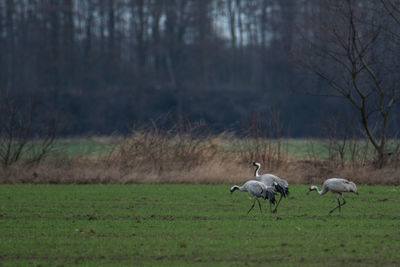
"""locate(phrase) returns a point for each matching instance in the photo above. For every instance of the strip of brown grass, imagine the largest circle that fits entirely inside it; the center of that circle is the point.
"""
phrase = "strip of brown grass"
(159, 158)
(211, 172)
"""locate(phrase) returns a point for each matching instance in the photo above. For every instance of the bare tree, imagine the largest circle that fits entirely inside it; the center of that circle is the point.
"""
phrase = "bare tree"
(352, 52)
(392, 7)
(19, 125)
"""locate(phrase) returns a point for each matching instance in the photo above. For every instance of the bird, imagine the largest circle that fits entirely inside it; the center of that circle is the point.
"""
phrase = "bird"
(280, 185)
(338, 186)
(256, 189)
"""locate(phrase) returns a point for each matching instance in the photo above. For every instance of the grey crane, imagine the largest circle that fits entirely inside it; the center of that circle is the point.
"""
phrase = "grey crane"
(338, 186)
(280, 185)
(256, 189)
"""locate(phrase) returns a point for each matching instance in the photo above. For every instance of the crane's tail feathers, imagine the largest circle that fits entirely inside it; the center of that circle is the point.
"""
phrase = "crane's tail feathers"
(269, 194)
(284, 191)
(264, 194)
(271, 197)
(287, 191)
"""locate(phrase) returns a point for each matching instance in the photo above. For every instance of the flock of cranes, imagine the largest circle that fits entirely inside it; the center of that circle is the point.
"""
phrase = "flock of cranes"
(265, 186)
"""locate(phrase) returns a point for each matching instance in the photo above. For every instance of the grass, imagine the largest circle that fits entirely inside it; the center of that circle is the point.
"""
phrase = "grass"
(294, 148)
(148, 157)
(146, 225)
(91, 147)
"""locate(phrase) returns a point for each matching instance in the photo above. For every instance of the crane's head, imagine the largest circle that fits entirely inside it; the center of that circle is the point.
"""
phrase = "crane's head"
(312, 188)
(233, 188)
(257, 164)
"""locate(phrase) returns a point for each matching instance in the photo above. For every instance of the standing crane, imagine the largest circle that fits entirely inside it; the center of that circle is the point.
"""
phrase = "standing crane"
(256, 189)
(280, 185)
(338, 186)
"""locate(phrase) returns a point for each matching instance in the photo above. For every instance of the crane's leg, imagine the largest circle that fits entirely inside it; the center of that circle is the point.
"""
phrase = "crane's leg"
(259, 204)
(252, 206)
(335, 207)
(344, 201)
(274, 211)
(339, 204)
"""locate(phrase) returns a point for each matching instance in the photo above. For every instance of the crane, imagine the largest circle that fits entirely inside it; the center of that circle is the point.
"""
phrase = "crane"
(281, 185)
(338, 186)
(256, 190)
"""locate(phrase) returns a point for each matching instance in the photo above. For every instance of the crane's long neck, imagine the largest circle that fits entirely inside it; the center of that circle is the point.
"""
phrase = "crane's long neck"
(240, 188)
(314, 188)
(256, 174)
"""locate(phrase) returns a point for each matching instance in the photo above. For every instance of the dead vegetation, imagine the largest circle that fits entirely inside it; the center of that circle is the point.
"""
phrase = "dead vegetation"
(188, 153)
(19, 127)
(155, 158)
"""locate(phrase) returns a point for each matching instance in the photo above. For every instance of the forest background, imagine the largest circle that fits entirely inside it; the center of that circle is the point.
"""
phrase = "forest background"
(102, 65)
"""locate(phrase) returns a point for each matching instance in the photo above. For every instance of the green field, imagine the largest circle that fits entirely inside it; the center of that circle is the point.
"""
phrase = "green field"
(98, 225)
(92, 147)
(294, 148)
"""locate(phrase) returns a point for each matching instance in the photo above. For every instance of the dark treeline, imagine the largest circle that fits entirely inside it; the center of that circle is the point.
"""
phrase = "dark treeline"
(107, 63)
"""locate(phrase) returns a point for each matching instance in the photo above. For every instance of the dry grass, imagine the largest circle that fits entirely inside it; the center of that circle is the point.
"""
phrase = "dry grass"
(212, 172)
(169, 157)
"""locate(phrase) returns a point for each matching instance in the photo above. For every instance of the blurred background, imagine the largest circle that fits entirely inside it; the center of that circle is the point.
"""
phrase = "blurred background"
(105, 64)
(199, 84)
